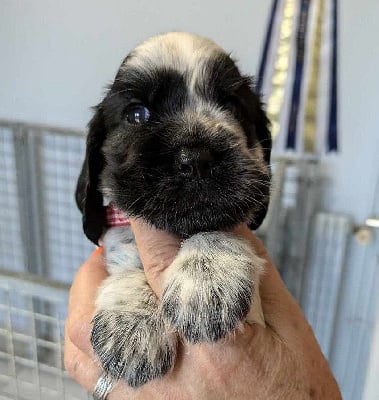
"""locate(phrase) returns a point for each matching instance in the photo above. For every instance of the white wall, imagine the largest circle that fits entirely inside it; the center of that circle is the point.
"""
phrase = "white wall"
(57, 56)
(354, 171)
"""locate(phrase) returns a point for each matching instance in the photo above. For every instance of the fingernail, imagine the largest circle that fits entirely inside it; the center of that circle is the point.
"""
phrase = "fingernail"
(98, 250)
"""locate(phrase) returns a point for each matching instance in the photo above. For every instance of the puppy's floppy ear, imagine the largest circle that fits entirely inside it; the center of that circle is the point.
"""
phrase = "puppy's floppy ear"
(263, 133)
(257, 123)
(88, 197)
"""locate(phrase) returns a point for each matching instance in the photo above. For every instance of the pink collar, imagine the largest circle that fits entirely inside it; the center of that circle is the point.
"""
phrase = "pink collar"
(116, 217)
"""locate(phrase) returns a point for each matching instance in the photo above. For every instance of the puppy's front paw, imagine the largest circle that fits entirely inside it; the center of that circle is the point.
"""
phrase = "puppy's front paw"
(129, 336)
(210, 285)
(131, 347)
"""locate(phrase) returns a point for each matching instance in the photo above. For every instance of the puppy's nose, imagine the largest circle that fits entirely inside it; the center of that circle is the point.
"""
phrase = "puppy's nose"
(195, 162)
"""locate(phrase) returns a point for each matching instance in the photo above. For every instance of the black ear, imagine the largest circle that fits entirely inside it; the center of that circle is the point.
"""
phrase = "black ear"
(259, 217)
(262, 125)
(263, 133)
(88, 197)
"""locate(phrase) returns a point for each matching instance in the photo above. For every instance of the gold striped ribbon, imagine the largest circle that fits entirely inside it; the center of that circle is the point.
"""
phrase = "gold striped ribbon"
(281, 67)
(311, 109)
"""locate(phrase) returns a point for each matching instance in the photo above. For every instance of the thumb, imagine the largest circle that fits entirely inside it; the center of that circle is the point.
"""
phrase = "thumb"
(157, 250)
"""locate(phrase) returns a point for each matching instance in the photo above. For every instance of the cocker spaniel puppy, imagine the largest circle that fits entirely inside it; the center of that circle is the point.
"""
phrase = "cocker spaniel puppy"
(180, 140)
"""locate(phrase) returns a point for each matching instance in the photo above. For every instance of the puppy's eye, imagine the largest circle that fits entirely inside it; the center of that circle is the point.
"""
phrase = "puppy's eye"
(137, 114)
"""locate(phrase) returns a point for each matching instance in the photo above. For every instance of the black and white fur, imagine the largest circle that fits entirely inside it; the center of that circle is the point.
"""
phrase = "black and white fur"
(181, 141)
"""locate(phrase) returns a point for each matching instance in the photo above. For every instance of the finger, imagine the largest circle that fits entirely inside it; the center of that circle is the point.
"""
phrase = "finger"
(79, 332)
(84, 369)
(82, 297)
(157, 250)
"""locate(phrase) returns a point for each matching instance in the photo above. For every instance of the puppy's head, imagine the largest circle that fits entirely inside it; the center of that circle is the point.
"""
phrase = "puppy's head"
(180, 140)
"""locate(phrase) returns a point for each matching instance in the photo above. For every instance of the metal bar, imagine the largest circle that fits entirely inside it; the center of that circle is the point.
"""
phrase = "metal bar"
(40, 240)
(331, 234)
(34, 285)
(28, 189)
(20, 143)
(372, 223)
(37, 128)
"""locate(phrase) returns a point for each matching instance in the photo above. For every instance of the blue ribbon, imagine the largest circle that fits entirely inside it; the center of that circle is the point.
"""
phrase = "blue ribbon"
(333, 116)
(263, 63)
(299, 69)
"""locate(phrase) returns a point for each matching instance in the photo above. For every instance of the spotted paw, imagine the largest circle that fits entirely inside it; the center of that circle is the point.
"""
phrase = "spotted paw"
(209, 286)
(129, 335)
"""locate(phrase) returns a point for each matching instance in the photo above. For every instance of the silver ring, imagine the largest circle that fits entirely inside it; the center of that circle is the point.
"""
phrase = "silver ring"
(103, 387)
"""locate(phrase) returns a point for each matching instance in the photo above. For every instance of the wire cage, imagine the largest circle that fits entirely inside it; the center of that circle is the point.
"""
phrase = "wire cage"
(43, 234)
(32, 315)
(42, 245)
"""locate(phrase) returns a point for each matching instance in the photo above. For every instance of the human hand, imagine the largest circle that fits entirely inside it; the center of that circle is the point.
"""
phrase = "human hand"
(281, 361)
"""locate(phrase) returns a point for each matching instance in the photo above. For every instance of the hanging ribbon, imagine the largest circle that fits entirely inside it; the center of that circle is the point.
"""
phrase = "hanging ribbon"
(281, 61)
(262, 67)
(310, 118)
(333, 114)
(298, 75)
(299, 69)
